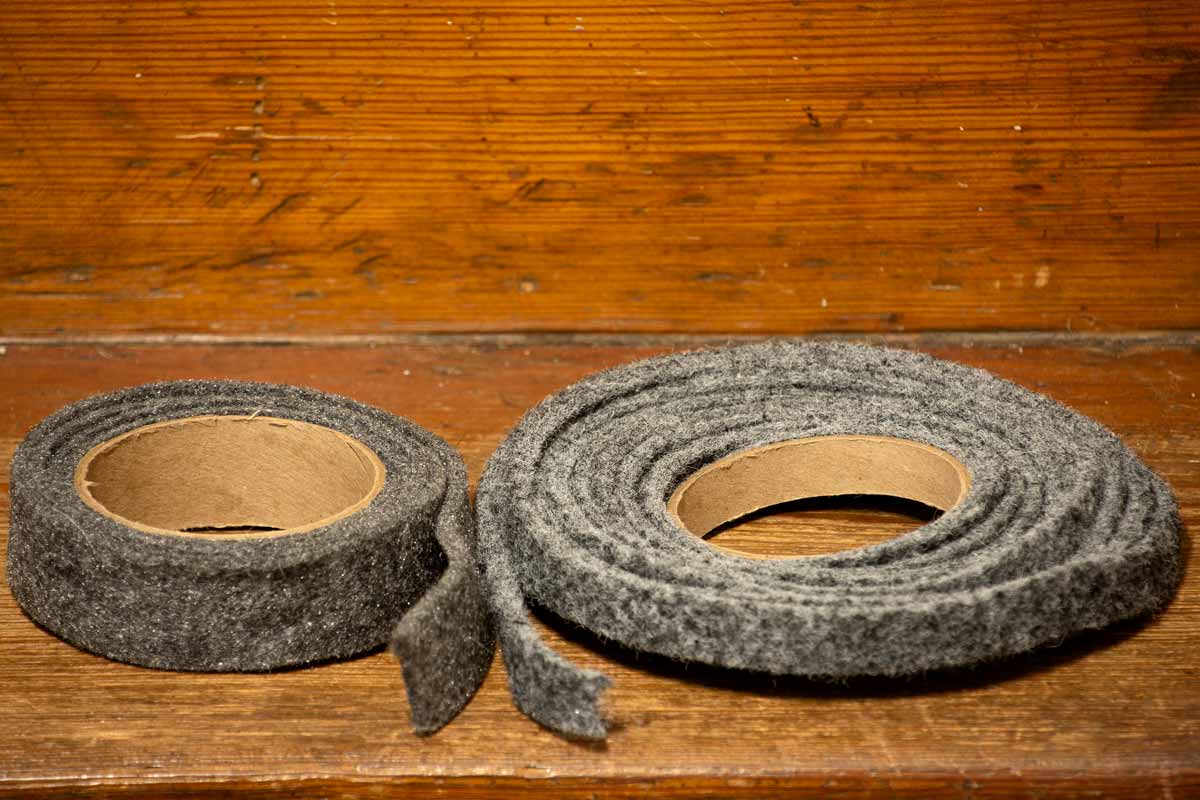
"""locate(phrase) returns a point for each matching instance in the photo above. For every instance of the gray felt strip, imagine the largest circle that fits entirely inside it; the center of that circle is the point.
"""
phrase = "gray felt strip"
(1063, 528)
(210, 604)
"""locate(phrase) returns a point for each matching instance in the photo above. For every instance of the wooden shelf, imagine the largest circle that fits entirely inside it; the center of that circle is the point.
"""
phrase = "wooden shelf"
(451, 211)
(692, 166)
(1115, 712)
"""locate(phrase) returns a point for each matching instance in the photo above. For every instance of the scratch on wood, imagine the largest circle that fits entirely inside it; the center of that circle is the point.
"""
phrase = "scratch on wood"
(547, 190)
(527, 190)
(333, 213)
(282, 206)
(353, 240)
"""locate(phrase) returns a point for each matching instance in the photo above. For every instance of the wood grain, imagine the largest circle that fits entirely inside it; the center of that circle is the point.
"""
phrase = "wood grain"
(327, 167)
(1114, 713)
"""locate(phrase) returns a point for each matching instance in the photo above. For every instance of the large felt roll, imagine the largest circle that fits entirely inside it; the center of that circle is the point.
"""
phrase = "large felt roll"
(1051, 524)
(229, 526)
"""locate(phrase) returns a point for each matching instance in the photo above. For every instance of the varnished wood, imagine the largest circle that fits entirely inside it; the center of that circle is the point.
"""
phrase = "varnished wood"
(351, 168)
(1114, 713)
(355, 166)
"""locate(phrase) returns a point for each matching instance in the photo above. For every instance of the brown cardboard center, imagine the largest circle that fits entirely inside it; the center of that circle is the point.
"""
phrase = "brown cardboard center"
(821, 466)
(236, 476)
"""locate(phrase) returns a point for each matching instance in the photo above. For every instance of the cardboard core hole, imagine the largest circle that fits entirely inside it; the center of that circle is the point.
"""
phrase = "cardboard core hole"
(240, 476)
(823, 466)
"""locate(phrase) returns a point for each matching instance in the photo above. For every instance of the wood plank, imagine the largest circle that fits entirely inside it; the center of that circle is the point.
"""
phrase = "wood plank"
(360, 167)
(1114, 713)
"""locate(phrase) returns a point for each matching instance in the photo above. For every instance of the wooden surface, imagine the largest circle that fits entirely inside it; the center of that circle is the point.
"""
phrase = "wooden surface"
(1113, 713)
(184, 182)
(316, 167)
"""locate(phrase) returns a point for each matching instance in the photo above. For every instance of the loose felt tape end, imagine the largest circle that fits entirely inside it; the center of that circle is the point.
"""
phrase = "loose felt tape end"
(559, 695)
(445, 646)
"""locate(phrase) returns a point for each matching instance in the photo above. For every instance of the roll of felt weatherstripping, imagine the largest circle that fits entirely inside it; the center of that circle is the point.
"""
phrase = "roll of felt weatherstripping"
(227, 526)
(595, 505)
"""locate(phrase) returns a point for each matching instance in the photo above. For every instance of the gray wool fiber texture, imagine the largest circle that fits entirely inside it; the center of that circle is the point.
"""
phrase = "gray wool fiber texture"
(203, 603)
(1062, 529)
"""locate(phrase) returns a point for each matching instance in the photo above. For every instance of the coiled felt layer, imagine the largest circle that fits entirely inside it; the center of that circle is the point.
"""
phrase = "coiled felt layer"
(1062, 529)
(257, 602)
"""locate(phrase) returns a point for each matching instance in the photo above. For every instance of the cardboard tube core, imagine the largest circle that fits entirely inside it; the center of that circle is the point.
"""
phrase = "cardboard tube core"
(239, 476)
(821, 466)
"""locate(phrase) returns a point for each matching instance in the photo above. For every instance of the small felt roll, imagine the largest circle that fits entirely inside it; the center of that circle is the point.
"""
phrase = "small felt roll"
(230, 526)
